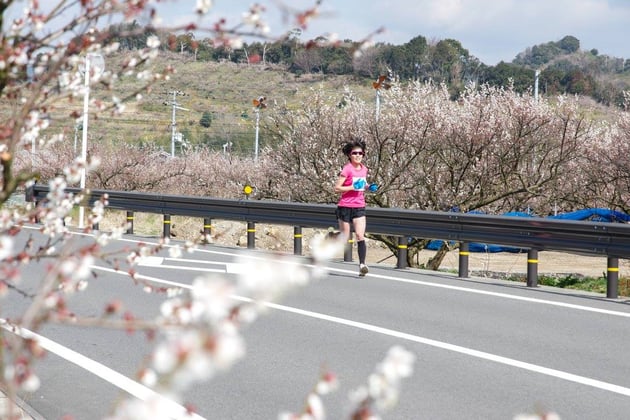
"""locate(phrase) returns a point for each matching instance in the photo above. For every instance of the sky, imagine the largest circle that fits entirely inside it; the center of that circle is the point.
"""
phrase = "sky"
(491, 30)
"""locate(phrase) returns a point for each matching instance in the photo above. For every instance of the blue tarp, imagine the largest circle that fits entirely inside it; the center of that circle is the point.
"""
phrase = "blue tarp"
(592, 215)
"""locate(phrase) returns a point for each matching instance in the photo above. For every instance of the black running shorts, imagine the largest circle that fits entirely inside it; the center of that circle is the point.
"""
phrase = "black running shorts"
(348, 213)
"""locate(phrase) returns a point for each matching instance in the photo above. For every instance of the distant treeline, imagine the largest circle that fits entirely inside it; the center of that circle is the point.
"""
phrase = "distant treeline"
(564, 67)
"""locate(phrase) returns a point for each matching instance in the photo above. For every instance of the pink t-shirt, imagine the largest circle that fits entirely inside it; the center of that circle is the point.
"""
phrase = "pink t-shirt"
(353, 198)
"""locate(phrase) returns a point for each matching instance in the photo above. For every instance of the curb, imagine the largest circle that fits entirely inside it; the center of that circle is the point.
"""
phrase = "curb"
(20, 409)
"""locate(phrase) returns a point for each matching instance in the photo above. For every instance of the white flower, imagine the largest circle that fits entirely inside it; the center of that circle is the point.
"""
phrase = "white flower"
(203, 6)
(384, 384)
(398, 363)
(316, 407)
(230, 346)
(164, 359)
(324, 247)
(175, 251)
(6, 247)
(211, 298)
(153, 41)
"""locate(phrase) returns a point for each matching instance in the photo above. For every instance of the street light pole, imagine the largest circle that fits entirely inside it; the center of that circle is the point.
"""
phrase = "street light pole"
(256, 142)
(258, 105)
(382, 82)
(97, 63)
(173, 128)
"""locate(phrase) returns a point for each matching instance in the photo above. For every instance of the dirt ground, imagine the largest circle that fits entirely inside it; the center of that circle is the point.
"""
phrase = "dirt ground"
(505, 263)
(280, 238)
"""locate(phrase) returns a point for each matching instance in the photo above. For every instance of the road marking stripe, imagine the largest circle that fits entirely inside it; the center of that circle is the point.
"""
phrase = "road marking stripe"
(132, 387)
(500, 295)
(421, 282)
(606, 386)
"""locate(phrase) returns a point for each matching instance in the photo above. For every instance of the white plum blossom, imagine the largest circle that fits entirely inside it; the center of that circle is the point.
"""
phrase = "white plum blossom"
(326, 247)
(74, 270)
(383, 387)
(211, 298)
(315, 406)
(175, 251)
(153, 42)
(6, 247)
(7, 219)
(203, 6)
(155, 407)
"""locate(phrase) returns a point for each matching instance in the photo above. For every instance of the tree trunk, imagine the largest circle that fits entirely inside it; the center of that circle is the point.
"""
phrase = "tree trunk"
(435, 262)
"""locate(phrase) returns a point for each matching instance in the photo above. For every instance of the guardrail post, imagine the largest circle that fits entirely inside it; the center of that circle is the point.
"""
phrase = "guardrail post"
(129, 223)
(532, 268)
(297, 240)
(401, 262)
(464, 253)
(207, 229)
(167, 226)
(612, 278)
(251, 235)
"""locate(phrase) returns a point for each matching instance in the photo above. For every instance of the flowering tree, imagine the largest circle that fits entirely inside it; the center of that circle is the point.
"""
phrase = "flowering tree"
(606, 170)
(43, 54)
(492, 150)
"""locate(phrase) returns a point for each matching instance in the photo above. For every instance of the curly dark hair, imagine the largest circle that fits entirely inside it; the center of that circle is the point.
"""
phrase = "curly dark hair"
(356, 142)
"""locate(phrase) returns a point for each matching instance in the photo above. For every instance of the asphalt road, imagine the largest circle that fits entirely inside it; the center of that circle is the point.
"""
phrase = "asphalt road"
(485, 349)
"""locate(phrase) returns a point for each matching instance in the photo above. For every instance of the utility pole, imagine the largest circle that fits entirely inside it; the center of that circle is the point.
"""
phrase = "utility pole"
(175, 106)
(536, 76)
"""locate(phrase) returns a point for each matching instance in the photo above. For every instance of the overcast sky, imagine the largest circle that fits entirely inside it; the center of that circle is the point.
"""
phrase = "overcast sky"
(491, 30)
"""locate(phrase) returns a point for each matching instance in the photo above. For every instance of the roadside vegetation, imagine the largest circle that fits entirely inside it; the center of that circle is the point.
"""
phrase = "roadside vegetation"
(576, 282)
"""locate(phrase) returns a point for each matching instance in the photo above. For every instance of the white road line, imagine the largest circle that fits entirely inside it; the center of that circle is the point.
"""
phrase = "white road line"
(143, 277)
(121, 381)
(417, 282)
(439, 285)
(443, 345)
(503, 295)
(459, 349)
(184, 268)
(233, 268)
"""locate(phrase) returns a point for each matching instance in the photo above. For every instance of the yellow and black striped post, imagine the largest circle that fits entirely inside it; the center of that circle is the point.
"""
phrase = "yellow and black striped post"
(129, 223)
(612, 278)
(401, 262)
(167, 226)
(251, 235)
(207, 228)
(347, 251)
(297, 240)
(464, 253)
(532, 268)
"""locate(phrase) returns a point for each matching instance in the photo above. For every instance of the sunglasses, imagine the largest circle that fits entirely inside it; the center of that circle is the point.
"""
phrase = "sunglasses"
(357, 153)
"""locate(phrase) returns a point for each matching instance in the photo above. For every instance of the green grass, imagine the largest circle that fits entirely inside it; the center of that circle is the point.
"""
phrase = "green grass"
(570, 281)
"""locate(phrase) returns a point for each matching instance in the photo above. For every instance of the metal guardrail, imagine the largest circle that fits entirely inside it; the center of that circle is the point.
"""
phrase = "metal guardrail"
(535, 234)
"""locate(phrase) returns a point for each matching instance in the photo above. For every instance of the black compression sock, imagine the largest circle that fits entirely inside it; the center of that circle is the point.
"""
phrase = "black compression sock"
(362, 251)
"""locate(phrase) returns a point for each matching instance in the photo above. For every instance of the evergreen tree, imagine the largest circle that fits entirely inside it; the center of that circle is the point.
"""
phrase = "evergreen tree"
(206, 120)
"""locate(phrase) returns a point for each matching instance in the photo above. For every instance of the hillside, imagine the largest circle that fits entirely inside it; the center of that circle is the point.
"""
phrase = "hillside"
(224, 90)
(221, 91)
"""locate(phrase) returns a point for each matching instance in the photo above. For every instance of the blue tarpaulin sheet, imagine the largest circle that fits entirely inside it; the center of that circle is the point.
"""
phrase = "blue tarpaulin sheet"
(593, 215)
